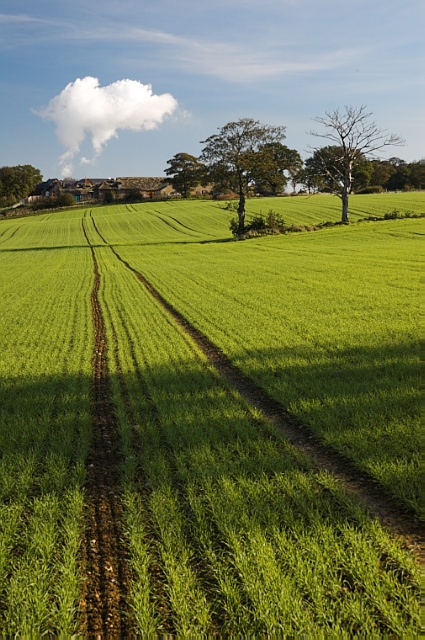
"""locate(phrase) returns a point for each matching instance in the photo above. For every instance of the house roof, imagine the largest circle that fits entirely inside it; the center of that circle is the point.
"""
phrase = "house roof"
(98, 180)
(41, 187)
(142, 184)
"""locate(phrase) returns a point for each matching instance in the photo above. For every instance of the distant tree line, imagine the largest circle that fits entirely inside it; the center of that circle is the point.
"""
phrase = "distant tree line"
(53, 202)
(247, 157)
(369, 176)
(16, 183)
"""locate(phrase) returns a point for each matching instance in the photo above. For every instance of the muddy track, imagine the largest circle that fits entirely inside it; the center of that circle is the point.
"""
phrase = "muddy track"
(103, 605)
(391, 513)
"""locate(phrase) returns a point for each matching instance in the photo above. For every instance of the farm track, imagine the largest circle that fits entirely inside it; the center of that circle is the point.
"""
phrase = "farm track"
(9, 237)
(392, 515)
(103, 604)
(180, 224)
(174, 228)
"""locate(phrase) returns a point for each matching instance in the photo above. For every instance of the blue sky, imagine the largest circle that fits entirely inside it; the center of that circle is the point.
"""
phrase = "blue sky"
(282, 62)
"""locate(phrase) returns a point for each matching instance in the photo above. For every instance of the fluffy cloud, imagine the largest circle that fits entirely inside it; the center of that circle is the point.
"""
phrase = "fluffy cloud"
(84, 108)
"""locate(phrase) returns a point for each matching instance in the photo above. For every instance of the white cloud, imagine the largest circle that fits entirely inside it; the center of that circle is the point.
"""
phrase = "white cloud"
(84, 108)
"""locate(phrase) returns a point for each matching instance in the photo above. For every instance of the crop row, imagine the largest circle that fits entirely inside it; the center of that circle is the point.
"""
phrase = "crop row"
(204, 221)
(327, 324)
(323, 208)
(44, 426)
(229, 529)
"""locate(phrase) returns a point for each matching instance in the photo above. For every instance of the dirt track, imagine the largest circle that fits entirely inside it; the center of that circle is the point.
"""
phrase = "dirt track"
(104, 557)
(103, 604)
(385, 507)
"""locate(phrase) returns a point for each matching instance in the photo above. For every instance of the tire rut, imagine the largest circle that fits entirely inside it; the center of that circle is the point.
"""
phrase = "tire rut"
(11, 235)
(392, 514)
(103, 605)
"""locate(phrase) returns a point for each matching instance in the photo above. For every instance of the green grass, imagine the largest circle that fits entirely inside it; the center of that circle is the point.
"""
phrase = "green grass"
(44, 424)
(185, 222)
(229, 529)
(322, 208)
(327, 323)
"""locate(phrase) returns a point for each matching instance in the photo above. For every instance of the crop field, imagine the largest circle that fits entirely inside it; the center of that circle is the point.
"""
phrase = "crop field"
(145, 490)
(315, 209)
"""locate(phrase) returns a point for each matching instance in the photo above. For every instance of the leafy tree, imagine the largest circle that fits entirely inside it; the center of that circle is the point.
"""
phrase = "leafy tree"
(382, 172)
(396, 162)
(232, 157)
(325, 171)
(396, 174)
(54, 202)
(133, 196)
(294, 168)
(17, 183)
(109, 196)
(417, 174)
(185, 173)
(65, 200)
(272, 160)
(356, 136)
(268, 173)
(328, 167)
(310, 178)
(399, 179)
(405, 175)
(362, 173)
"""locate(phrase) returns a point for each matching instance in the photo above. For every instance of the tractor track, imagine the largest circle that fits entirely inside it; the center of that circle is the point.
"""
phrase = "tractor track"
(392, 514)
(9, 237)
(103, 604)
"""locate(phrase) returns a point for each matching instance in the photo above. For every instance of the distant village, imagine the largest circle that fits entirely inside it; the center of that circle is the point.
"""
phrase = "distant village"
(110, 189)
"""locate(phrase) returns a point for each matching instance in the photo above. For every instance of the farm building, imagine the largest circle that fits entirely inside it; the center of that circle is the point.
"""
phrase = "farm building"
(105, 188)
(121, 188)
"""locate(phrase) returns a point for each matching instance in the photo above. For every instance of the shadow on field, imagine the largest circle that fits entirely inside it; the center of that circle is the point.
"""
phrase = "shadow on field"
(53, 248)
(45, 436)
(362, 402)
(117, 244)
(210, 475)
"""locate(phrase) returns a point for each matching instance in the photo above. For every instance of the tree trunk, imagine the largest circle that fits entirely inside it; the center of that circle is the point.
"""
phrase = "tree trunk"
(346, 188)
(344, 198)
(241, 214)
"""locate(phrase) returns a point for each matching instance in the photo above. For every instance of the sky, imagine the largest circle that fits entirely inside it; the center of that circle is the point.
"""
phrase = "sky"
(105, 89)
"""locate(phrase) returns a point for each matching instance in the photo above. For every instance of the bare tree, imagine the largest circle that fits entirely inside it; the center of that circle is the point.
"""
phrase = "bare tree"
(356, 135)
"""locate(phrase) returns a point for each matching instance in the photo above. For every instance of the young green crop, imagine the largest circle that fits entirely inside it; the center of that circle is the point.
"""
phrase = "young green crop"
(196, 221)
(44, 423)
(230, 529)
(327, 323)
(314, 209)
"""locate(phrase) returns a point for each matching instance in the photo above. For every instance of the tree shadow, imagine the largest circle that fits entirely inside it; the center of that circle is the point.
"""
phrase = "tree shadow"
(364, 402)
(239, 486)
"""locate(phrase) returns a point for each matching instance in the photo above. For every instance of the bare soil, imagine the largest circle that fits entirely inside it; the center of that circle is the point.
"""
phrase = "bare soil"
(103, 604)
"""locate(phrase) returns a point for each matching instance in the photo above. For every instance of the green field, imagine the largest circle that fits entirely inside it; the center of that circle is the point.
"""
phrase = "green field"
(322, 208)
(228, 529)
